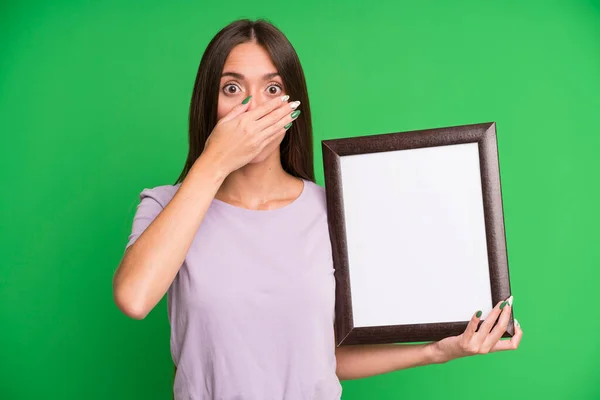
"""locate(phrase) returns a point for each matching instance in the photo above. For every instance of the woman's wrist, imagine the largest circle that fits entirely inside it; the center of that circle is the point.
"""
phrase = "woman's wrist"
(435, 354)
(210, 168)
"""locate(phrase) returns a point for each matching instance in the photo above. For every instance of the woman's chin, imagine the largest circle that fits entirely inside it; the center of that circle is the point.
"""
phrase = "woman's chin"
(257, 160)
(263, 156)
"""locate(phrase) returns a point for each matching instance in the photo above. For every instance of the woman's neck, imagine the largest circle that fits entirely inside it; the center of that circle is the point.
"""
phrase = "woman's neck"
(260, 185)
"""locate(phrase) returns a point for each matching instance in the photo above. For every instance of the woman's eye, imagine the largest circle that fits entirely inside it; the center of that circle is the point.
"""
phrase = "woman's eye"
(230, 89)
(274, 89)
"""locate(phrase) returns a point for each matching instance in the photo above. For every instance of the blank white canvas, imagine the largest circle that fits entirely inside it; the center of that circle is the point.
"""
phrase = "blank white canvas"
(416, 237)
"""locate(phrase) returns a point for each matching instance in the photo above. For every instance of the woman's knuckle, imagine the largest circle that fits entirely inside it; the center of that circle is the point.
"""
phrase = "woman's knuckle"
(473, 349)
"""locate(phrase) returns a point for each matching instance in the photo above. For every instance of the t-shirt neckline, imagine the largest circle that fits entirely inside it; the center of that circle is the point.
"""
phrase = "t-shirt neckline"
(293, 204)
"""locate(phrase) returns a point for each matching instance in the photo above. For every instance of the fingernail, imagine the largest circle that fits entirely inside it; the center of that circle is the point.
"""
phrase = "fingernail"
(517, 324)
(295, 114)
(510, 301)
(284, 98)
(288, 126)
(294, 104)
(478, 314)
(504, 303)
(246, 100)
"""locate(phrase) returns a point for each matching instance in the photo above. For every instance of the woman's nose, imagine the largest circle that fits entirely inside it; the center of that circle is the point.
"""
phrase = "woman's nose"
(257, 99)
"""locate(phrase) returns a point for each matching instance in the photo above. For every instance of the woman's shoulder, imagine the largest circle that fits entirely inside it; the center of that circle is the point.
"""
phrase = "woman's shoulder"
(162, 194)
(316, 188)
(318, 194)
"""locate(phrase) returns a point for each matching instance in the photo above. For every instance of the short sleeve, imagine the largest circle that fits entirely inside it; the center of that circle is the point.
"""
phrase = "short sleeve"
(151, 204)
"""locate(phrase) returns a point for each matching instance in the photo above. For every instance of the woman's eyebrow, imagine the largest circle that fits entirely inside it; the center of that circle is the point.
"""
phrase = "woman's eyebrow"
(241, 77)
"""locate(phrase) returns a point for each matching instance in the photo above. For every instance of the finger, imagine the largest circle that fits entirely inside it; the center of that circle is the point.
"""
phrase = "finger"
(262, 110)
(276, 115)
(489, 321)
(472, 326)
(278, 135)
(271, 142)
(513, 343)
(497, 332)
(237, 110)
(275, 128)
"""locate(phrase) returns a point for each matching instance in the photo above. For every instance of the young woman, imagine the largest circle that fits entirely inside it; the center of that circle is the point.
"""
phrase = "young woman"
(240, 243)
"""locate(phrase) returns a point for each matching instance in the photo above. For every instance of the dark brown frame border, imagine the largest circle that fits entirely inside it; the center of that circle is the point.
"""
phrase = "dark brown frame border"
(485, 135)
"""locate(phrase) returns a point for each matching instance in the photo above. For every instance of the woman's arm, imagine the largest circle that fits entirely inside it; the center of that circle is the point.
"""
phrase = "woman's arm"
(150, 265)
(367, 360)
(362, 361)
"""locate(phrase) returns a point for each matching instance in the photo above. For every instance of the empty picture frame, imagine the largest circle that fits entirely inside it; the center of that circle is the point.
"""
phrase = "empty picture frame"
(417, 232)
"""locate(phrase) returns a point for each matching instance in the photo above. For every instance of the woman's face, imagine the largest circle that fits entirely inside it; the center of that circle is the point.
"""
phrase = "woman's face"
(249, 71)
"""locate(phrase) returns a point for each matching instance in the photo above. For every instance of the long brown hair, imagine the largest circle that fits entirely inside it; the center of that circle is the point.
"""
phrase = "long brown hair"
(296, 148)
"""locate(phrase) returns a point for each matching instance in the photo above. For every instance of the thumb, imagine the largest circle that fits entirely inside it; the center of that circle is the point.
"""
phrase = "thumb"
(237, 110)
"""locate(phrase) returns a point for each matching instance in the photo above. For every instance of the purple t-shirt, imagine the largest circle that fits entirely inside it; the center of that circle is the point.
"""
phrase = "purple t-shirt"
(252, 307)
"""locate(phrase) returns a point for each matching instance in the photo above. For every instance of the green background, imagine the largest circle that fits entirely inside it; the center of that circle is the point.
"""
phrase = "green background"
(93, 108)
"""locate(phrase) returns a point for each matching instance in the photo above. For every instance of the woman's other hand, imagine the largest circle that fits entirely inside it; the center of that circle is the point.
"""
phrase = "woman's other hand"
(484, 340)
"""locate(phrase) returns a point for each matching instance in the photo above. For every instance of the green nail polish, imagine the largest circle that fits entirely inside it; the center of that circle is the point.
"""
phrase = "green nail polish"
(288, 126)
(478, 314)
(246, 100)
(295, 114)
(503, 304)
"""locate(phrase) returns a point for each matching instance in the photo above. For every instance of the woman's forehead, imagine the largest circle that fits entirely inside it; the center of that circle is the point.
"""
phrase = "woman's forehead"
(250, 60)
